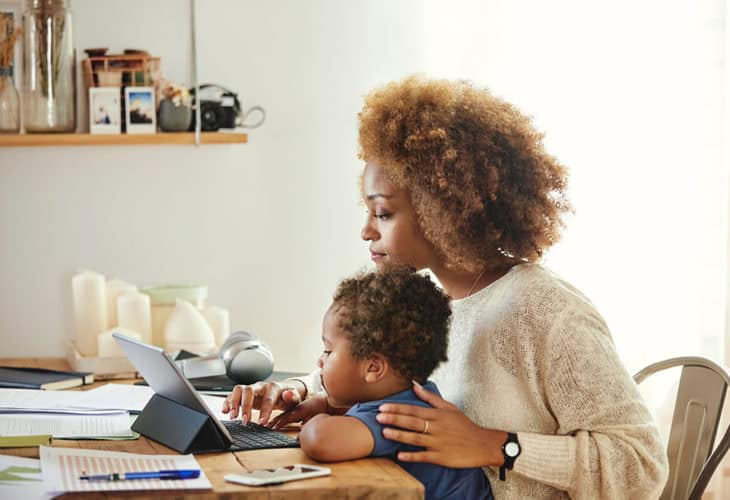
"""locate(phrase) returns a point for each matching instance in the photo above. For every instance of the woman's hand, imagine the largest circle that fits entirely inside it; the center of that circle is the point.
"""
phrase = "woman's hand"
(263, 396)
(315, 405)
(448, 436)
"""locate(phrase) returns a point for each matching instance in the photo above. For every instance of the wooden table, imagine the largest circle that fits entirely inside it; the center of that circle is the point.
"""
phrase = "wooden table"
(374, 478)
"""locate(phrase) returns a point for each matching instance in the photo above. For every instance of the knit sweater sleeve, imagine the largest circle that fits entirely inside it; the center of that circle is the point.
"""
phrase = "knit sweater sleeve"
(312, 382)
(607, 445)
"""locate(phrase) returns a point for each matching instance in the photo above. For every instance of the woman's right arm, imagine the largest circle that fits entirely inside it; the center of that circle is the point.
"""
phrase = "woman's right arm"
(267, 396)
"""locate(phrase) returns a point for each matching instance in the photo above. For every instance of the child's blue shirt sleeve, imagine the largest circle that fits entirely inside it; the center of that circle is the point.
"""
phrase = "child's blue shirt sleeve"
(366, 413)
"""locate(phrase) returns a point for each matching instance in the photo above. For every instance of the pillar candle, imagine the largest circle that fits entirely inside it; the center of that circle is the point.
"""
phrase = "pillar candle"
(89, 302)
(108, 347)
(134, 314)
(115, 288)
(220, 322)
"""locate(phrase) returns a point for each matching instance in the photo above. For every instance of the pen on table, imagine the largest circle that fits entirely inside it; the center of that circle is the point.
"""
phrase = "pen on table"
(162, 474)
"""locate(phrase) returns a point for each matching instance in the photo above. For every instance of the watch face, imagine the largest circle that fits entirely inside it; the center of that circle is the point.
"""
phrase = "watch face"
(512, 449)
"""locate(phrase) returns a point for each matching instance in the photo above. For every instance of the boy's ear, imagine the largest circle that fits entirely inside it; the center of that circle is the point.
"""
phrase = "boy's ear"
(375, 368)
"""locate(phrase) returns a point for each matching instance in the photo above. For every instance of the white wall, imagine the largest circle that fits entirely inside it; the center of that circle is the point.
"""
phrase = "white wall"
(626, 92)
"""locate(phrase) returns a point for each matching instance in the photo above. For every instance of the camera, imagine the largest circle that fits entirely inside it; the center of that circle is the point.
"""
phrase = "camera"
(218, 109)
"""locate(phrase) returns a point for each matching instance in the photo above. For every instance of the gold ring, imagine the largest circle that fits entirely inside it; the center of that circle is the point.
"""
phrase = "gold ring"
(425, 427)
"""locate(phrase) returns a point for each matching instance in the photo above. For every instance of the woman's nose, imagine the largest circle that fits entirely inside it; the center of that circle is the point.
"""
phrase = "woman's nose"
(320, 361)
(368, 233)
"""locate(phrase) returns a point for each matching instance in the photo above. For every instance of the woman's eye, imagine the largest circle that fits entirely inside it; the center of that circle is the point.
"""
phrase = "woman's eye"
(382, 216)
(327, 353)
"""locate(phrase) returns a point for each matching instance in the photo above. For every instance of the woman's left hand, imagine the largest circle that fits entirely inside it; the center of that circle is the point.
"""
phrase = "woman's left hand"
(448, 436)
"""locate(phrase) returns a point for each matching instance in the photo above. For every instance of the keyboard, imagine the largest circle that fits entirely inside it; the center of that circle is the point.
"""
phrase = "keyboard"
(256, 437)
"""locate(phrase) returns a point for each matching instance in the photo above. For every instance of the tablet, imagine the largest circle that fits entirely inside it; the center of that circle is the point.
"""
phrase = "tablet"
(165, 378)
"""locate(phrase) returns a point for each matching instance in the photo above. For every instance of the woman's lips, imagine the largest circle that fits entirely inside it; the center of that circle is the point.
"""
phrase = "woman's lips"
(377, 256)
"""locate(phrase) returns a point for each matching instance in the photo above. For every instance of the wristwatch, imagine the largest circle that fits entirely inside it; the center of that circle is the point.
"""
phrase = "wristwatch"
(511, 449)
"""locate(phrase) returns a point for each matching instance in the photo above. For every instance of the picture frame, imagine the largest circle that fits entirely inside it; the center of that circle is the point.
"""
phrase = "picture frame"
(105, 110)
(14, 10)
(140, 110)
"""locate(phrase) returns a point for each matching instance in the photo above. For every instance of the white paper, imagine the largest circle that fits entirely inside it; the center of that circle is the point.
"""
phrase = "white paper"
(121, 396)
(37, 401)
(107, 399)
(65, 426)
(62, 468)
(134, 398)
(21, 478)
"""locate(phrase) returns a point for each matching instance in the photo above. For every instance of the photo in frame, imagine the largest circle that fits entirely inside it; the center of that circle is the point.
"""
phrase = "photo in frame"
(105, 110)
(140, 110)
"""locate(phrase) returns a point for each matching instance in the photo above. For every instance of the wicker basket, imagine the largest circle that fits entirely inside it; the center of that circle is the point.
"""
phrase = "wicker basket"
(120, 70)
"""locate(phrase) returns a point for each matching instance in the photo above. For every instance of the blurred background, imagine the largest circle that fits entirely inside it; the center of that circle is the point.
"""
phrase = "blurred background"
(631, 97)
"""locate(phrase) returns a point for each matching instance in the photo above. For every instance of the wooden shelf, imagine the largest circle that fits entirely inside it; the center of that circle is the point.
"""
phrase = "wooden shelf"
(33, 140)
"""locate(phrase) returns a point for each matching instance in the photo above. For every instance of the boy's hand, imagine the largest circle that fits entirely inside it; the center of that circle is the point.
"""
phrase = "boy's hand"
(303, 412)
(263, 396)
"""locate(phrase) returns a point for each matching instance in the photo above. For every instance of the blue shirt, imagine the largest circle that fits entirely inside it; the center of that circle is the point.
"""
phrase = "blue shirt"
(440, 482)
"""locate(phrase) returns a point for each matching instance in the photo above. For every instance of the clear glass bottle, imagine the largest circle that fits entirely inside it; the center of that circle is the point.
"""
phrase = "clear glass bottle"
(49, 79)
(9, 103)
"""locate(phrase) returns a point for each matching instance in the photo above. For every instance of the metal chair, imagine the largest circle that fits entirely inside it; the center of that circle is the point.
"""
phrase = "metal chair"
(697, 410)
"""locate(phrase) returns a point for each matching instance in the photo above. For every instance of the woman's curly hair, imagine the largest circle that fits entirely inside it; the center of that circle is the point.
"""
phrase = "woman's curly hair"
(398, 314)
(483, 188)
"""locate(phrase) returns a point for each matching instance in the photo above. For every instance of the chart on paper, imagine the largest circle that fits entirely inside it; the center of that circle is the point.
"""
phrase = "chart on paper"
(62, 468)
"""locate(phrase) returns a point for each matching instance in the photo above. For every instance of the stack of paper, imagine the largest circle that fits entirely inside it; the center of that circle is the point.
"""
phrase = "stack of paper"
(66, 426)
(133, 398)
(101, 413)
(26, 412)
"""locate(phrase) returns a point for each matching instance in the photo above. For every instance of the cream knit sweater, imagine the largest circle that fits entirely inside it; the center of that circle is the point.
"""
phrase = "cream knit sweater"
(530, 354)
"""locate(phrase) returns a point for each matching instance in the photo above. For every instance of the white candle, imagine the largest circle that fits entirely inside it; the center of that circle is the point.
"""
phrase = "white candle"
(134, 314)
(187, 329)
(115, 288)
(220, 322)
(108, 347)
(89, 301)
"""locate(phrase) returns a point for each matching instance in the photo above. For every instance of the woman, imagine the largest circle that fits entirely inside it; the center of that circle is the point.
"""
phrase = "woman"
(458, 182)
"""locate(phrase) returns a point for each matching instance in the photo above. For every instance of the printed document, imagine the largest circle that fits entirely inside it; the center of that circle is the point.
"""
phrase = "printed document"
(65, 426)
(62, 468)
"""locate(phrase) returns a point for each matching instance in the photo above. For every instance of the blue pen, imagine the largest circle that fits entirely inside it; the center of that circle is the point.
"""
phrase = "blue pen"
(125, 476)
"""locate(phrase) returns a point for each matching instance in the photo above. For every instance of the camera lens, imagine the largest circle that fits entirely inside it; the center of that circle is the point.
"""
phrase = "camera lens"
(209, 117)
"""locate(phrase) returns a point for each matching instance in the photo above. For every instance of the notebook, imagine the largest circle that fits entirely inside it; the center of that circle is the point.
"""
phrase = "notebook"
(38, 378)
(87, 377)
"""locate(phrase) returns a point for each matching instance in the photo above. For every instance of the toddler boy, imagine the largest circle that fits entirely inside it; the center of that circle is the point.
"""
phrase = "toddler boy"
(383, 330)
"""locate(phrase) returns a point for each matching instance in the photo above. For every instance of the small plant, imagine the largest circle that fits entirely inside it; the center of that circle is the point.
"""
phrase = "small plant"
(177, 94)
(8, 36)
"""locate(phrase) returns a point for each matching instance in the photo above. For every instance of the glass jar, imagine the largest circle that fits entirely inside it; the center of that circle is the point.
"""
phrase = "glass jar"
(9, 103)
(49, 80)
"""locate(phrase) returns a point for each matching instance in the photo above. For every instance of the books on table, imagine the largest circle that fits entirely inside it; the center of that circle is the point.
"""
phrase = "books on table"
(39, 378)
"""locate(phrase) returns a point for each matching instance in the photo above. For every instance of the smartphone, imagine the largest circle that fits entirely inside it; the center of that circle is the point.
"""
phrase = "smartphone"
(261, 477)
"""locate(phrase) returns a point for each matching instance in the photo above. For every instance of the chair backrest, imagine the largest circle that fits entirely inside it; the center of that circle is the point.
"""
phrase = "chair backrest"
(697, 410)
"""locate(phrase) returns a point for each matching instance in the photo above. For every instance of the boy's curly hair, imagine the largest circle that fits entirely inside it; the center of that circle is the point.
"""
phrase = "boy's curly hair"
(483, 188)
(398, 314)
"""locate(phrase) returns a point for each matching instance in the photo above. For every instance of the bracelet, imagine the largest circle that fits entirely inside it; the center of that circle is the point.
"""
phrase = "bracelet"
(306, 388)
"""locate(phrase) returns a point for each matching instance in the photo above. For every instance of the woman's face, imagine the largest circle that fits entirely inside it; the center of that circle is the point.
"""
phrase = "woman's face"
(391, 226)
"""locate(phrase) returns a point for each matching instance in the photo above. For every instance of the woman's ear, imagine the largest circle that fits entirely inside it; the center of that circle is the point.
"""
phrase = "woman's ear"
(375, 368)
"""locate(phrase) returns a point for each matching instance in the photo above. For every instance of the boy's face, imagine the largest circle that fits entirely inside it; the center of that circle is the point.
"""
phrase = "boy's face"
(342, 374)
(391, 226)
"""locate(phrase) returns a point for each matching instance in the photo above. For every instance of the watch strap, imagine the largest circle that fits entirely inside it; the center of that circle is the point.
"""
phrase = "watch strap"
(509, 461)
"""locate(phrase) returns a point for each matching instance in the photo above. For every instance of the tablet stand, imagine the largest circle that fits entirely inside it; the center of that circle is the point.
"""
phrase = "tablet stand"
(179, 427)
